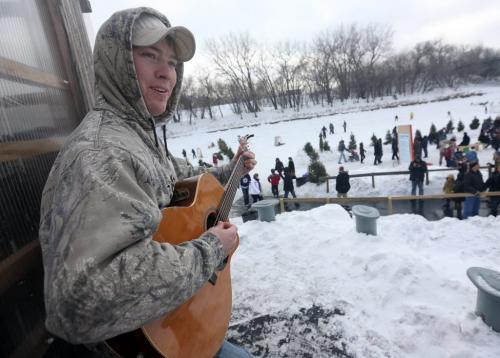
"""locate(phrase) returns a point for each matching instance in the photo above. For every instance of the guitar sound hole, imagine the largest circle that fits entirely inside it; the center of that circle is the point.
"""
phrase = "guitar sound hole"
(211, 220)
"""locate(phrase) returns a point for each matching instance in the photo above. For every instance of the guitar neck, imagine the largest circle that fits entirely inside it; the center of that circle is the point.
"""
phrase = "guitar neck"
(230, 191)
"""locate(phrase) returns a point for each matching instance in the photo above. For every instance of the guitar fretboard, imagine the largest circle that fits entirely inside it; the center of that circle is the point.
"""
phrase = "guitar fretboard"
(230, 191)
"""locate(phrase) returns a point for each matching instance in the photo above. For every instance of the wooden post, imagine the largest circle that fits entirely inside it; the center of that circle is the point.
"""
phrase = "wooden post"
(427, 177)
(327, 185)
(389, 205)
(373, 181)
(282, 206)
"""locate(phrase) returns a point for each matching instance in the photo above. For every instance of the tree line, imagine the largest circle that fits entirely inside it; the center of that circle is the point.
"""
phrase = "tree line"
(350, 62)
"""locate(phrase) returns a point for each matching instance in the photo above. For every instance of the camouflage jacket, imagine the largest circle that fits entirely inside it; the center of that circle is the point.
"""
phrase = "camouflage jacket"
(104, 275)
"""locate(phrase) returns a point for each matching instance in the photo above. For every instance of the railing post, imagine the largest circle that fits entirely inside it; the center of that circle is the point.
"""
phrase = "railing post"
(373, 181)
(427, 177)
(282, 206)
(389, 205)
(327, 185)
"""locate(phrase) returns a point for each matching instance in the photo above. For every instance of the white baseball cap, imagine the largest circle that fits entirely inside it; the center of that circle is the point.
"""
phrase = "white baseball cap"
(149, 29)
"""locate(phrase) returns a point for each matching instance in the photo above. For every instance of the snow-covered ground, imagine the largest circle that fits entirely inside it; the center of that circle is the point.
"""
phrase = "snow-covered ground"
(309, 285)
(403, 293)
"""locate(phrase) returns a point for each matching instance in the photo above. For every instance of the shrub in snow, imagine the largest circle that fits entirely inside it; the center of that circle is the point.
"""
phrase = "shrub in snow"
(460, 126)
(224, 149)
(352, 143)
(474, 124)
(316, 172)
(432, 133)
(449, 126)
(388, 137)
(316, 169)
(311, 153)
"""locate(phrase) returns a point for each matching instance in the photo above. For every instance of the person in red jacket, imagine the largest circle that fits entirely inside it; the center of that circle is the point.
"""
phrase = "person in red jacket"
(274, 179)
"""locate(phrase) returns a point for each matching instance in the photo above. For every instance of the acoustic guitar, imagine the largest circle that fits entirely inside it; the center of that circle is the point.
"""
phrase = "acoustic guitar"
(195, 329)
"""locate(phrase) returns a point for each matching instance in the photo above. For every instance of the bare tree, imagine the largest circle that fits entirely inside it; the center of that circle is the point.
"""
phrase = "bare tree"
(234, 56)
(267, 78)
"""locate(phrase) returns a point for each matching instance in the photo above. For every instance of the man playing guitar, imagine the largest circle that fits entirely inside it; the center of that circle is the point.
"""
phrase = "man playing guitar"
(106, 273)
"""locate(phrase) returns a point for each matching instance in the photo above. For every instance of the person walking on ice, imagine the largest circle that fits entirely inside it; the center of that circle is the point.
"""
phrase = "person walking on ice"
(341, 149)
(274, 179)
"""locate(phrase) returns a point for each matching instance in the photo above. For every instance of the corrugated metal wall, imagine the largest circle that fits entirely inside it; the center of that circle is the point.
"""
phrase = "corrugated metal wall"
(36, 112)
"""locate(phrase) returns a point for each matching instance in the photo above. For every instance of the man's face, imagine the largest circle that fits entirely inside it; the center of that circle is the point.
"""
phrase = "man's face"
(155, 68)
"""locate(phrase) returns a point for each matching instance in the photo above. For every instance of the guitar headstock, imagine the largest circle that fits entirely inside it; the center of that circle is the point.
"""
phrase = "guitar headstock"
(243, 141)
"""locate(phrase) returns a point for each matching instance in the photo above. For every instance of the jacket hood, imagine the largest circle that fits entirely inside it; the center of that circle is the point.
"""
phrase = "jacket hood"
(116, 84)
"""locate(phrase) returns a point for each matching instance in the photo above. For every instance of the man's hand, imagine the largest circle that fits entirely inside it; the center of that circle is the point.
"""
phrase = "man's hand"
(249, 161)
(227, 235)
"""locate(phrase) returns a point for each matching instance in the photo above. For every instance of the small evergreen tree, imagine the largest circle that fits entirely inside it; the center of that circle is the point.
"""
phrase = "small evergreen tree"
(449, 126)
(321, 148)
(388, 137)
(474, 124)
(222, 146)
(224, 149)
(352, 143)
(432, 134)
(326, 146)
(316, 171)
(460, 126)
(373, 139)
(311, 153)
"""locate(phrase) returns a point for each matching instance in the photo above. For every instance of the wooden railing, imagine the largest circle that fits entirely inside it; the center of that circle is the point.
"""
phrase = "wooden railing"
(402, 172)
(379, 199)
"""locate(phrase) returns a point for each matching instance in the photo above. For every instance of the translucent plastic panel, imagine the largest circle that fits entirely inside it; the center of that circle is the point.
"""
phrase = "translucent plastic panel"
(36, 114)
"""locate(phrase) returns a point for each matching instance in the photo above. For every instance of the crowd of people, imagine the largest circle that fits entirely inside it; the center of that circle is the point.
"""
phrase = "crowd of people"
(251, 186)
(462, 156)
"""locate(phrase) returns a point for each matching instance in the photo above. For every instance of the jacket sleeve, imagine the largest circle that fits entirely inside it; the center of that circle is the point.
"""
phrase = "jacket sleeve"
(185, 170)
(104, 275)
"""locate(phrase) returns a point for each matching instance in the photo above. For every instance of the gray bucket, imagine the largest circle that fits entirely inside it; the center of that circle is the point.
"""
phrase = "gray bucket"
(265, 209)
(488, 295)
(366, 219)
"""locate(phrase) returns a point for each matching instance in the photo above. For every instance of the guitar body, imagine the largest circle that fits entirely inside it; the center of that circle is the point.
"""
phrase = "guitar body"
(197, 328)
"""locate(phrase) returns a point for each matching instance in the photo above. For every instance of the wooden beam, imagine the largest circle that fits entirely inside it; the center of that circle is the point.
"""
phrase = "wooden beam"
(74, 45)
(377, 199)
(26, 149)
(30, 98)
(404, 172)
(16, 70)
(17, 265)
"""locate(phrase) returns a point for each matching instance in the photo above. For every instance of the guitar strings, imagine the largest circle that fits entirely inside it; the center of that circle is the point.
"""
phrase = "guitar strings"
(226, 204)
(231, 190)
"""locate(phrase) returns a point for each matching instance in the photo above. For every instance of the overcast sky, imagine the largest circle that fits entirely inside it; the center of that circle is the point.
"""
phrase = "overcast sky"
(268, 21)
